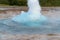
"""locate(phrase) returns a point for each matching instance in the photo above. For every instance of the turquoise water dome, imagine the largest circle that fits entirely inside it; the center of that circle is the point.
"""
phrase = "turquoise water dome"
(33, 16)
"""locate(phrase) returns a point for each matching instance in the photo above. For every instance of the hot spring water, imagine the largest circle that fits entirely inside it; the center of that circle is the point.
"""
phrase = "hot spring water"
(30, 22)
(33, 16)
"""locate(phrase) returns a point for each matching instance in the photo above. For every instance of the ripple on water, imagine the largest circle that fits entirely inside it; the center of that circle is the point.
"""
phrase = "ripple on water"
(48, 27)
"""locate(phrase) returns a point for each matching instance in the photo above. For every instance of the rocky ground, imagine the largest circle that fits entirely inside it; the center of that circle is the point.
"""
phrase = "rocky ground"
(5, 36)
(51, 12)
(8, 12)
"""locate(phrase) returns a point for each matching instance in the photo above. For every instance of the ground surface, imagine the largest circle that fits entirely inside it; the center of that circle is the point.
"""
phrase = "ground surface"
(51, 13)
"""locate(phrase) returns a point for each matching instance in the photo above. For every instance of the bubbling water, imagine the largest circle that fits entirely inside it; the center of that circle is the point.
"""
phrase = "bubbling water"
(33, 16)
(34, 9)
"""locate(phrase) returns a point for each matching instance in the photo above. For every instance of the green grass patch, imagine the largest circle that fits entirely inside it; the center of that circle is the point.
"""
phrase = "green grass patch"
(47, 3)
(4, 5)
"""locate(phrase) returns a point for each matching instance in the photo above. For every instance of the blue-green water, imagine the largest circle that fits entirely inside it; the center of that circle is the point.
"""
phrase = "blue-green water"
(47, 27)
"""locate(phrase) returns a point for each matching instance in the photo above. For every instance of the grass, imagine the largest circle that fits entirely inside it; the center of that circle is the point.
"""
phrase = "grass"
(44, 3)
(4, 5)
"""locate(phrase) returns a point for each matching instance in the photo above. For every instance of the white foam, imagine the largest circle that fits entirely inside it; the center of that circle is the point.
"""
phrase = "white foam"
(32, 15)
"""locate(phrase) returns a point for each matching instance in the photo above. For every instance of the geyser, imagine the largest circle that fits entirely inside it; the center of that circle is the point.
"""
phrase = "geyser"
(33, 16)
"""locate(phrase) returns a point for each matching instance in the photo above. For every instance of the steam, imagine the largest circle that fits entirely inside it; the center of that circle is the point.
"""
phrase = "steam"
(32, 16)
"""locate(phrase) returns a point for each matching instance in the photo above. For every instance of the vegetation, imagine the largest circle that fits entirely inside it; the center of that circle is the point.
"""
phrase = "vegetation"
(24, 2)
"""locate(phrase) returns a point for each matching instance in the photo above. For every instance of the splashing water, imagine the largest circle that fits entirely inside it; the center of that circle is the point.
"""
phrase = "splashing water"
(33, 16)
(32, 21)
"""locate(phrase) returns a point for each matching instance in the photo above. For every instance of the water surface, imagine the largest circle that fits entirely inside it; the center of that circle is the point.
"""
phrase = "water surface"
(50, 26)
